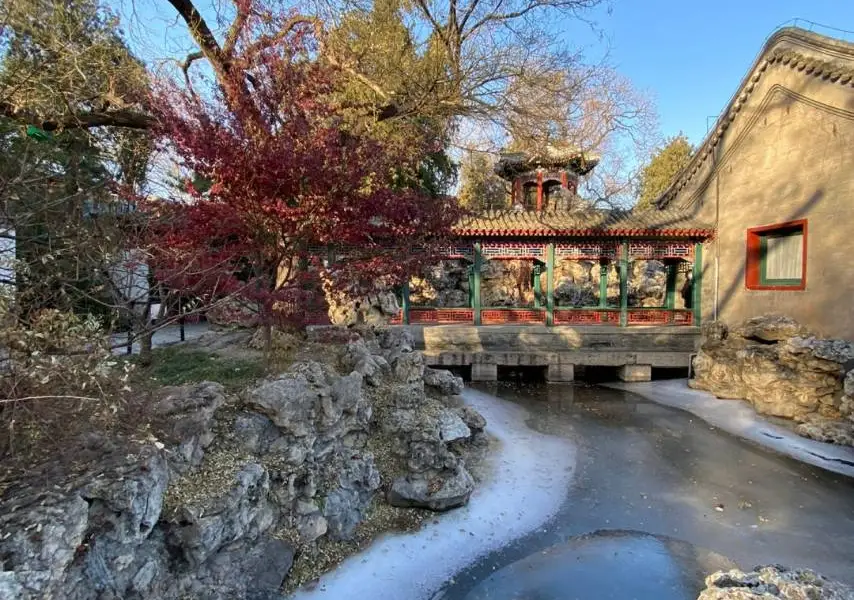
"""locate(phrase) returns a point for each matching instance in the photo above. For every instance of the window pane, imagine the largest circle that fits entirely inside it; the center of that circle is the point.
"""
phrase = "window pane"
(784, 256)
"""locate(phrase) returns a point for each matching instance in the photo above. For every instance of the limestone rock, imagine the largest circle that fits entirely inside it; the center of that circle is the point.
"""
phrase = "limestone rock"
(374, 309)
(292, 400)
(311, 527)
(820, 352)
(188, 412)
(473, 419)
(126, 497)
(242, 512)
(45, 533)
(452, 427)
(358, 357)
(439, 492)
(280, 341)
(714, 332)
(408, 395)
(408, 367)
(444, 284)
(766, 583)
(253, 570)
(822, 429)
(770, 328)
(345, 506)
(425, 456)
(791, 377)
(443, 381)
(70, 540)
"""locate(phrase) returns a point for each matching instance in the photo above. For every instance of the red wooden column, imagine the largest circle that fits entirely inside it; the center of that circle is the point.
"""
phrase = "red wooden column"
(564, 180)
(539, 190)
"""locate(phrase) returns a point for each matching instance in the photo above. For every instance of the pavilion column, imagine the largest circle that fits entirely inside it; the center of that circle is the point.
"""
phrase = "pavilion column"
(603, 284)
(624, 283)
(550, 284)
(670, 293)
(404, 292)
(697, 284)
(475, 295)
(539, 191)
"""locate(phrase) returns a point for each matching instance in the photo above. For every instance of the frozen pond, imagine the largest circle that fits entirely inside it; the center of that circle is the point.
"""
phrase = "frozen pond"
(591, 482)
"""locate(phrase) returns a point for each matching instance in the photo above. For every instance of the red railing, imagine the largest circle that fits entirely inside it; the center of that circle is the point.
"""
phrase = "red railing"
(659, 316)
(503, 316)
(438, 316)
(562, 316)
(585, 316)
(683, 317)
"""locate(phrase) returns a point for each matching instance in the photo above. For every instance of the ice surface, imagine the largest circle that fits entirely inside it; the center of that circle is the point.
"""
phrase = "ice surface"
(739, 418)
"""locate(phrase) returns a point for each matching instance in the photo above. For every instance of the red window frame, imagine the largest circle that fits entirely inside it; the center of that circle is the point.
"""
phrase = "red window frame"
(752, 275)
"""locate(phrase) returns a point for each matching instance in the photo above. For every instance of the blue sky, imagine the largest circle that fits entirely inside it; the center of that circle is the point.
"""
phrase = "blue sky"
(692, 54)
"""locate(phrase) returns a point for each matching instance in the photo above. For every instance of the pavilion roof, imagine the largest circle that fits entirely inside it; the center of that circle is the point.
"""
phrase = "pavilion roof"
(585, 223)
(511, 164)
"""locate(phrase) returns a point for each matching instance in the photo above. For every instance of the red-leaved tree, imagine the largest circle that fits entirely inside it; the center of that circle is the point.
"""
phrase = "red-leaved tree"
(297, 205)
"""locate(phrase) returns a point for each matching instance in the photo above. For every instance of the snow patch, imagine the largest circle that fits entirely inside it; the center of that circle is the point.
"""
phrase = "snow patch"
(530, 474)
(739, 418)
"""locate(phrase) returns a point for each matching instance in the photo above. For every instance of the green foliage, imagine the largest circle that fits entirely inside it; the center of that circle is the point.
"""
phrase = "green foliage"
(664, 165)
(59, 58)
(481, 189)
(377, 44)
(177, 365)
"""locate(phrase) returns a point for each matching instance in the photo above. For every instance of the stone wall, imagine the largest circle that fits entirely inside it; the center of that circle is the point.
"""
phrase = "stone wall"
(787, 154)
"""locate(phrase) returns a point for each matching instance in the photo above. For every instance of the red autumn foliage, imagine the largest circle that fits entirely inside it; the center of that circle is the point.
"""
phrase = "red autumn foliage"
(288, 184)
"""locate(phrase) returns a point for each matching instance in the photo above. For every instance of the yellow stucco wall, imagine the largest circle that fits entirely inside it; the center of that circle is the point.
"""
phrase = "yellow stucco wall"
(787, 154)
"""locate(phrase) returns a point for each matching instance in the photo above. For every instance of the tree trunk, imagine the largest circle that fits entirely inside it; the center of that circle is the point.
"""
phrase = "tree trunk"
(145, 347)
(267, 328)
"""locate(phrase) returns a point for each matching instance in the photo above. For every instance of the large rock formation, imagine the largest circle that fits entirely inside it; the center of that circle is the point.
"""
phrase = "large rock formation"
(215, 502)
(767, 583)
(445, 284)
(774, 363)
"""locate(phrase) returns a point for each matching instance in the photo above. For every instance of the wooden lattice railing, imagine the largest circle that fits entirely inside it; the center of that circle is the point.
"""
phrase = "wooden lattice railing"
(441, 315)
(499, 316)
(586, 316)
(561, 316)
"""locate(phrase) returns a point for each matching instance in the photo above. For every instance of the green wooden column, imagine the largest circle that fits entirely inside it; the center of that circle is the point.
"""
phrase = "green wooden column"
(603, 284)
(697, 284)
(550, 285)
(624, 283)
(404, 292)
(475, 298)
(670, 294)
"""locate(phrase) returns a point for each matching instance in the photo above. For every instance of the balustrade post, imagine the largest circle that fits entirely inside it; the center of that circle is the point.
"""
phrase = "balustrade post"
(697, 284)
(550, 284)
(670, 294)
(404, 293)
(478, 261)
(624, 283)
(603, 284)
